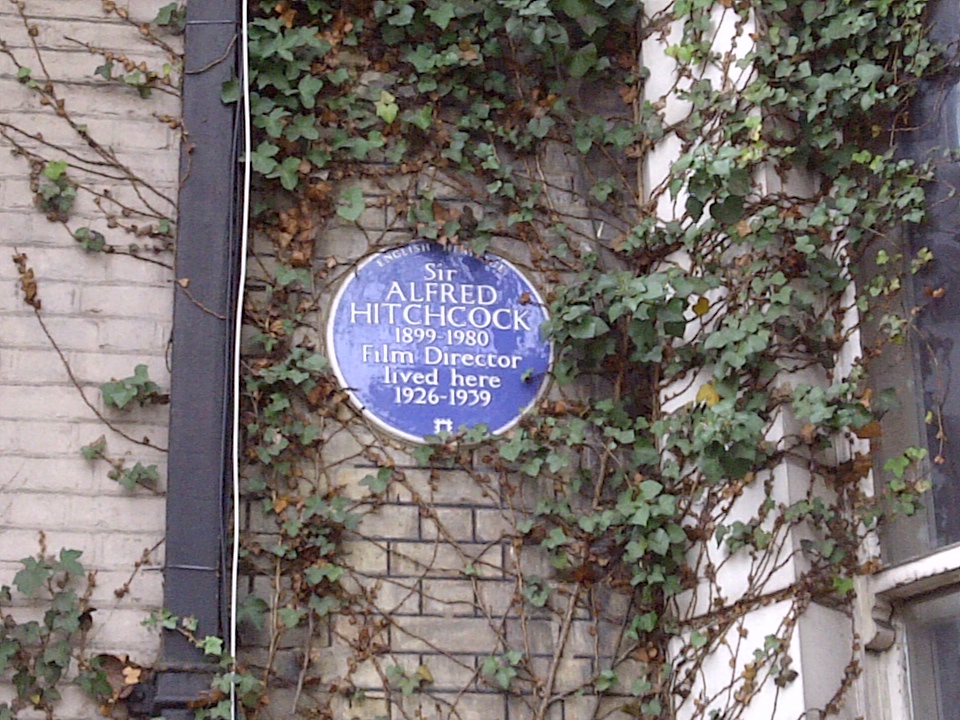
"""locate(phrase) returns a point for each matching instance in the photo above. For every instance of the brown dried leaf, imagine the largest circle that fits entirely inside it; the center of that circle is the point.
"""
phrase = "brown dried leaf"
(808, 433)
(132, 675)
(870, 431)
(629, 93)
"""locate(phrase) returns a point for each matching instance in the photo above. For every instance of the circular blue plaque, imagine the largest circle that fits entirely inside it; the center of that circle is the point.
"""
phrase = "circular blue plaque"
(428, 340)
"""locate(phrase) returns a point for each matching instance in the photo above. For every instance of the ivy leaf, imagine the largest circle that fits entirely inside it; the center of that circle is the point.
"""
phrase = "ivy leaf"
(230, 92)
(351, 204)
(291, 617)
(323, 606)
(171, 16)
(55, 169)
(262, 158)
(511, 450)
(728, 211)
(288, 172)
(649, 489)
(540, 127)
(105, 71)
(403, 17)
(701, 307)
(387, 107)
(272, 123)
(94, 449)
(606, 680)
(308, 87)
(32, 577)
(316, 574)
(90, 239)
(211, 645)
(708, 394)
(442, 15)
(423, 119)
(68, 562)
(584, 61)
(253, 610)
(379, 483)
(302, 126)
(589, 327)
(739, 183)
(139, 474)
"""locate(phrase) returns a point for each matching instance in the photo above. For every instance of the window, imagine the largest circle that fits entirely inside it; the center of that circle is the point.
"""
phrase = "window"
(919, 592)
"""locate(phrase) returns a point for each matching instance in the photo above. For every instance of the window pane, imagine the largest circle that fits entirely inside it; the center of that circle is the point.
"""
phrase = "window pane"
(937, 292)
(935, 119)
(933, 646)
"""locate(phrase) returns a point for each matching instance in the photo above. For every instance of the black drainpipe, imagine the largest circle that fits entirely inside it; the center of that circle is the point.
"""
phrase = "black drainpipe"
(207, 259)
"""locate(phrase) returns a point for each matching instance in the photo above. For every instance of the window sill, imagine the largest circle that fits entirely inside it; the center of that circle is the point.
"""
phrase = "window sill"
(931, 572)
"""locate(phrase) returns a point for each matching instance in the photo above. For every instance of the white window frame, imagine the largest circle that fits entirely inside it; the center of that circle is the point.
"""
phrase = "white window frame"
(885, 686)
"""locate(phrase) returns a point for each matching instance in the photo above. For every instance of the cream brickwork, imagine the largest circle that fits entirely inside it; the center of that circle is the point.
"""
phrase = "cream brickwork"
(106, 313)
(435, 566)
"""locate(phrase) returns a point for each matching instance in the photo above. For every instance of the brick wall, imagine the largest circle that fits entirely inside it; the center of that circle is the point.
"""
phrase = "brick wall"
(437, 579)
(105, 313)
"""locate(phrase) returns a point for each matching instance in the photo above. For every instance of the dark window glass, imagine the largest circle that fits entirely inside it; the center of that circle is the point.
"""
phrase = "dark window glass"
(935, 136)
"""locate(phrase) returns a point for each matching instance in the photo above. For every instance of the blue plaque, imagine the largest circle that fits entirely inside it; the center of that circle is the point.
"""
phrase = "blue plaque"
(428, 340)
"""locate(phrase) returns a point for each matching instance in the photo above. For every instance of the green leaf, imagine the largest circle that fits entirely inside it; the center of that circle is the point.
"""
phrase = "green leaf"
(288, 172)
(606, 680)
(105, 71)
(55, 169)
(387, 107)
(423, 119)
(512, 449)
(302, 126)
(68, 562)
(379, 483)
(351, 204)
(90, 239)
(323, 606)
(536, 591)
(32, 577)
(211, 645)
(171, 16)
(291, 617)
(230, 92)
(729, 211)
(308, 87)
(253, 610)
(139, 387)
(739, 183)
(442, 15)
(403, 17)
(147, 476)
(649, 489)
(316, 574)
(589, 327)
(95, 449)
(540, 127)
(583, 61)
(262, 158)
(8, 649)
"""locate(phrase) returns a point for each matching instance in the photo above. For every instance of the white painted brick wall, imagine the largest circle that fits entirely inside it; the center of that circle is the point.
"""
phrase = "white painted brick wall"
(106, 312)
